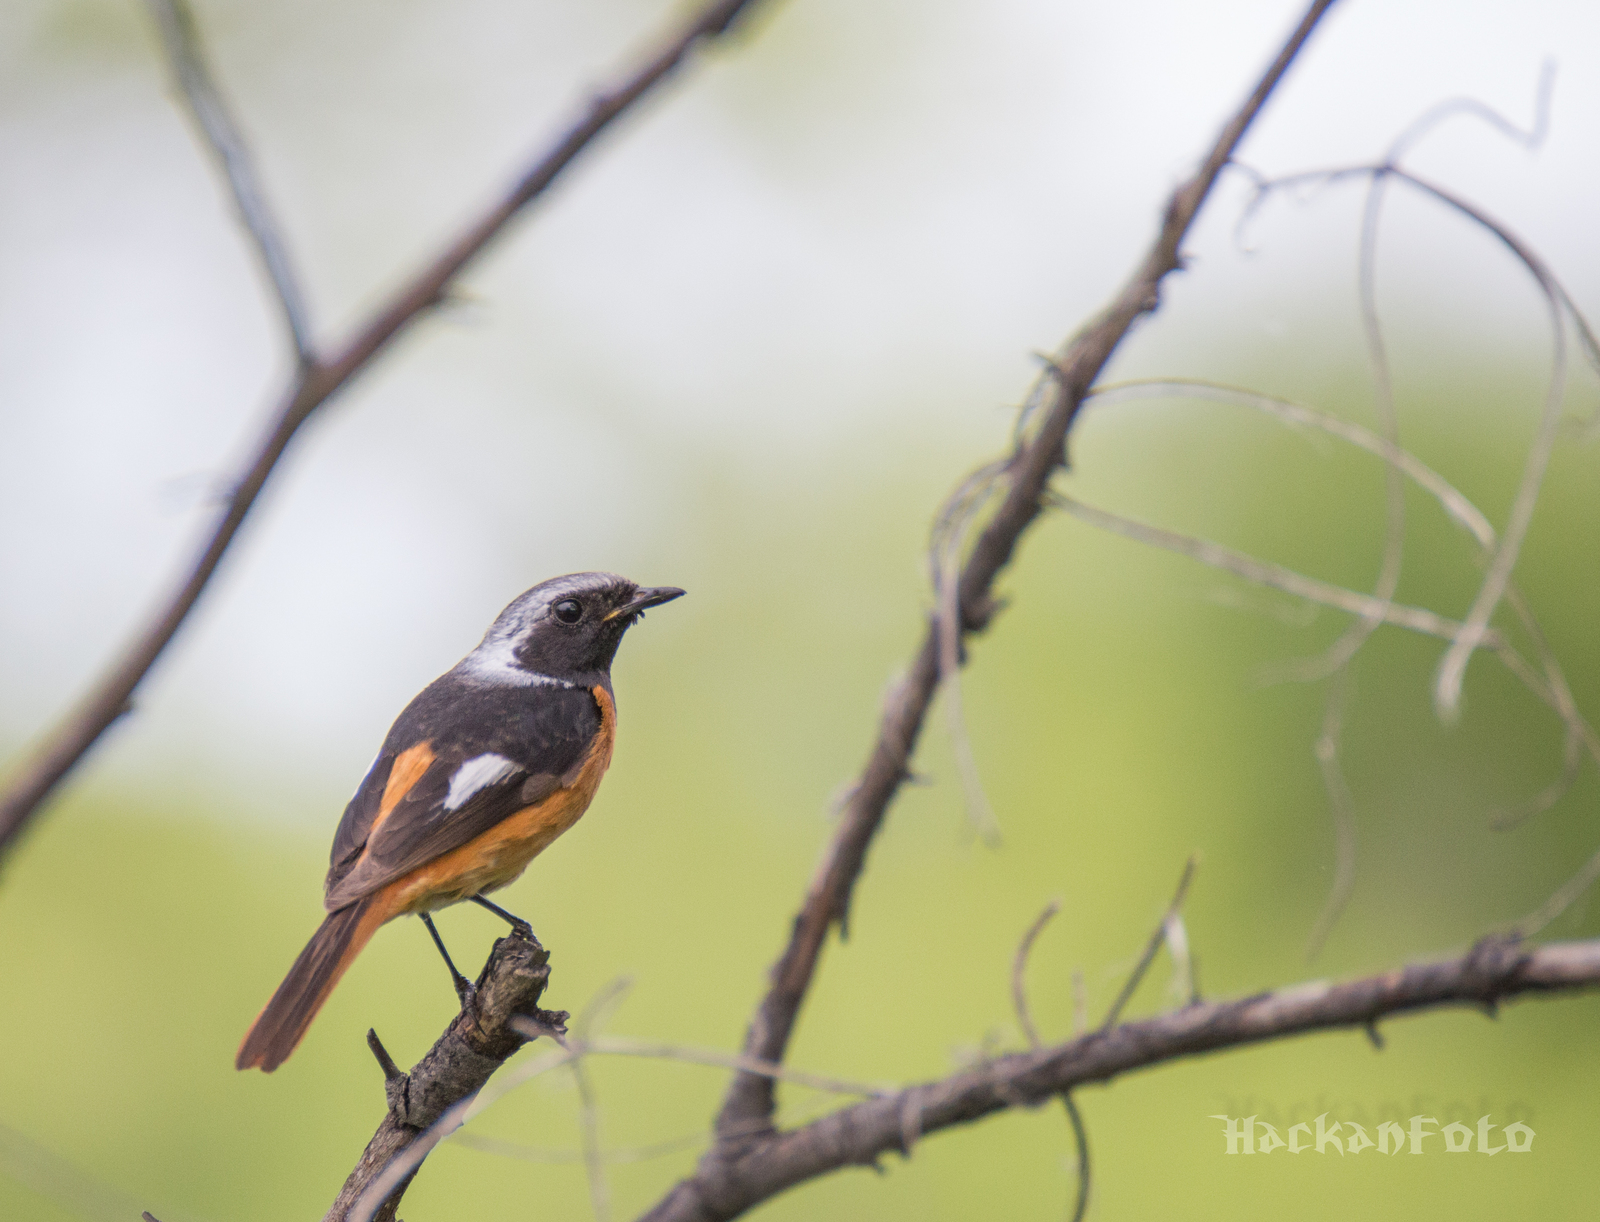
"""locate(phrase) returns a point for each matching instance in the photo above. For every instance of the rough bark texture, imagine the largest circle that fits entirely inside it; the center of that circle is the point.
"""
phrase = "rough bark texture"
(476, 1043)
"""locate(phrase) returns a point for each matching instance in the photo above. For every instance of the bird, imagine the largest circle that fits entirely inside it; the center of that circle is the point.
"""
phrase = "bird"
(481, 772)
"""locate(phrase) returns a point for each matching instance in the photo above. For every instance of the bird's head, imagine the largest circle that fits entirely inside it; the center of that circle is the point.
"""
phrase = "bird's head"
(564, 630)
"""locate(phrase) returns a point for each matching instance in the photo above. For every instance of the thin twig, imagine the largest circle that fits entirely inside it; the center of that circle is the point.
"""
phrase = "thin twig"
(622, 1046)
(1548, 683)
(542, 1154)
(404, 1163)
(1452, 667)
(26, 1162)
(589, 1135)
(1151, 947)
(1341, 808)
(1019, 999)
(1040, 452)
(112, 693)
(1019, 968)
(1340, 654)
(596, 1011)
(1417, 619)
(1551, 687)
(1530, 138)
(1560, 901)
(1080, 1138)
(220, 132)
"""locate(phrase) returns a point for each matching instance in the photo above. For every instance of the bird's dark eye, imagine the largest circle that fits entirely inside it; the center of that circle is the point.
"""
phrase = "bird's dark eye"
(568, 610)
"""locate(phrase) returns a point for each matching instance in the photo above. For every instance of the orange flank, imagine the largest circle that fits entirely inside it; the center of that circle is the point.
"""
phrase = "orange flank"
(498, 856)
(488, 861)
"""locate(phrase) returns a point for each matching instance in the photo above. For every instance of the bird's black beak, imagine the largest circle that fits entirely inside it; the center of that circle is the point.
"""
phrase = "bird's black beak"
(651, 597)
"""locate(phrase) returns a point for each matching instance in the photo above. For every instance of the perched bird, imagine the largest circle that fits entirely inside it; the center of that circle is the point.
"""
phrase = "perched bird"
(488, 765)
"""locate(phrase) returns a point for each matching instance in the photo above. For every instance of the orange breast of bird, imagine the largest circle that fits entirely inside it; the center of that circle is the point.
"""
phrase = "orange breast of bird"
(498, 856)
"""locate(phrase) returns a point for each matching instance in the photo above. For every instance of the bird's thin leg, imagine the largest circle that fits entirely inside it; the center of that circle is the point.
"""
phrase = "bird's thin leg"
(516, 922)
(463, 985)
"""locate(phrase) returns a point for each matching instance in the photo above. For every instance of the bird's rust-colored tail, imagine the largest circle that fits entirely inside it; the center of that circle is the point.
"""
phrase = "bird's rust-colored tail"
(278, 1028)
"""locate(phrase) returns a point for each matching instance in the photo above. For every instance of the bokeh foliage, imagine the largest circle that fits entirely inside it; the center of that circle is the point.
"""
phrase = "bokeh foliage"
(774, 408)
(1113, 712)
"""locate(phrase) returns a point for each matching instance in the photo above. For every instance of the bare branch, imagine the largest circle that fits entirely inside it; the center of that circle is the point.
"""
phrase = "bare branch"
(478, 1041)
(1028, 472)
(186, 57)
(1493, 971)
(314, 385)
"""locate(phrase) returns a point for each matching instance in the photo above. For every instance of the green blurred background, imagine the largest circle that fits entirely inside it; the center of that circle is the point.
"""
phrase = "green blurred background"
(747, 349)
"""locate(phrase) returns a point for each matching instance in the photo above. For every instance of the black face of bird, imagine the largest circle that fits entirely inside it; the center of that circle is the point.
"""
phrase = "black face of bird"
(570, 626)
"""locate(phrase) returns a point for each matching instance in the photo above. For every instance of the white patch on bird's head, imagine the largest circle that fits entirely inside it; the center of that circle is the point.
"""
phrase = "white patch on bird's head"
(495, 659)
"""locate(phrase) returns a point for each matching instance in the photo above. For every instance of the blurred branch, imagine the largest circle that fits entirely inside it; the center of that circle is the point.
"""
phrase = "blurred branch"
(1153, 946)
(1027, 473)
(491, 1026)
(392, 1176)
(181, 41)
(1494, 970)
(315, 382)
(79, 1194)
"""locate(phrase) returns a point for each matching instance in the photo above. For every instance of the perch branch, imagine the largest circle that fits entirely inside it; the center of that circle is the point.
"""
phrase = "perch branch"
(750, 1097)
(316, 381)
(490, 1027)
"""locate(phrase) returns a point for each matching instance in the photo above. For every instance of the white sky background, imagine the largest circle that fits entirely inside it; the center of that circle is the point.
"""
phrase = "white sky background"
(856, 225)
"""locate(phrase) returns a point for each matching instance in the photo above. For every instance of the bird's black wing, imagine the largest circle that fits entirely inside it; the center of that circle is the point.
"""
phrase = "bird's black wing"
(460, 759)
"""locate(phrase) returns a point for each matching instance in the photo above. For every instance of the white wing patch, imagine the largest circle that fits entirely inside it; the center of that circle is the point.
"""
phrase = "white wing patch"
(477, 773)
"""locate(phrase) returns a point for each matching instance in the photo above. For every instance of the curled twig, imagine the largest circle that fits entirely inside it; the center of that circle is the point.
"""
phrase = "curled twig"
(1019, 967)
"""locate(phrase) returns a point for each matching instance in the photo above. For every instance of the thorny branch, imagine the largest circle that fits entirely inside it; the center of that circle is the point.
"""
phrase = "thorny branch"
(318, 377)
(1026, 474)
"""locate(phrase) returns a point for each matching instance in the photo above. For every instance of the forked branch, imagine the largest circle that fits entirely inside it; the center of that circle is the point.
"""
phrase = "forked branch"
(1039, 452)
